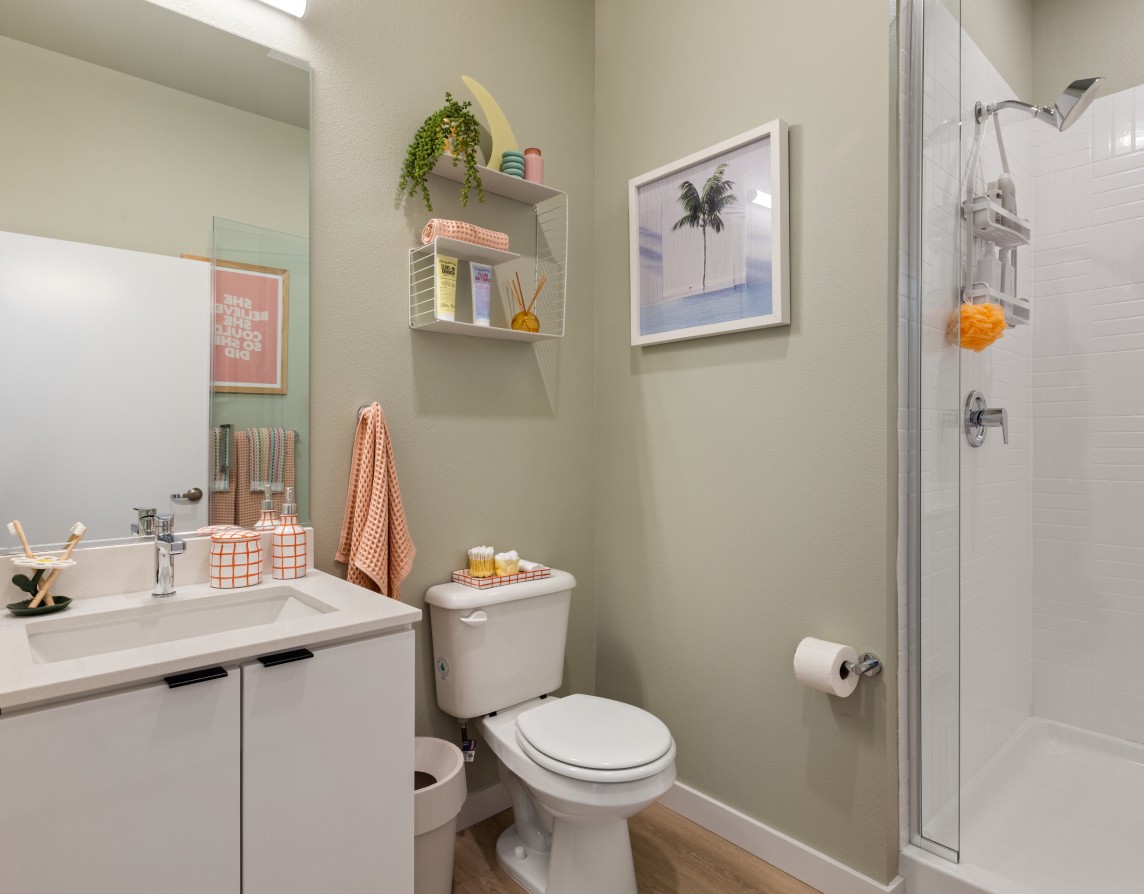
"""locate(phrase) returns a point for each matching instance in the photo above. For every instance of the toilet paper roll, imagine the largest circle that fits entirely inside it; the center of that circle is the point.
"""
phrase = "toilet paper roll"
(821, 665)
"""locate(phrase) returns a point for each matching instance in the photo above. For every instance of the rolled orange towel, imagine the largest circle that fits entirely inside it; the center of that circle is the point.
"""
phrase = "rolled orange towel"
(466, 232)
(980, 325)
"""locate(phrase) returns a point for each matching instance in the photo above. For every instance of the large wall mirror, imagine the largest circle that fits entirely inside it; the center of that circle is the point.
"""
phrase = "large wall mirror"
(155, 175)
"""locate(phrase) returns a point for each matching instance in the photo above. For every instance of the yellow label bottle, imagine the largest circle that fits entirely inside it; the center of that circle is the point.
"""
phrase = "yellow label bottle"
(446, 288)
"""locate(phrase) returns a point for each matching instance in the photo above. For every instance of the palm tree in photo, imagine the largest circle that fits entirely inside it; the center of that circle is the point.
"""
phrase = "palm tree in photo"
(703, 208)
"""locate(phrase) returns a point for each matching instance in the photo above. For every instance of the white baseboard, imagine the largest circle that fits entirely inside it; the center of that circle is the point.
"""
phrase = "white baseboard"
(480, 805)
(792, 857)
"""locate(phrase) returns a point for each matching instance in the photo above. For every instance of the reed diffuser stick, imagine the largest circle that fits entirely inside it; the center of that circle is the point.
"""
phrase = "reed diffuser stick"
(539, 286)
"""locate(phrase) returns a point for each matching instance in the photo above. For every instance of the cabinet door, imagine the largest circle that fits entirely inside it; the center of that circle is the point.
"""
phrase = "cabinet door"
(327, 771)
(131, 793)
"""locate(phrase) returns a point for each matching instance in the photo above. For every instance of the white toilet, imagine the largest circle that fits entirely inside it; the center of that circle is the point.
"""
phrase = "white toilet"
(576, 767)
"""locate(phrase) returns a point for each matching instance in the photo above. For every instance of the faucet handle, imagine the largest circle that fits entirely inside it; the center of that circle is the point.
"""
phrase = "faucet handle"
(145, 527)
(164, 525)
(994, 417)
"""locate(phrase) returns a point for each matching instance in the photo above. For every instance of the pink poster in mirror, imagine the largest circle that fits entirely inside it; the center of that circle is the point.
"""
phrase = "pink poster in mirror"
(251, 307)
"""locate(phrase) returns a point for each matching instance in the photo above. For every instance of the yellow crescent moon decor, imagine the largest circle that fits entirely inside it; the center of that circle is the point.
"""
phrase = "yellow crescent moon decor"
(498, 123)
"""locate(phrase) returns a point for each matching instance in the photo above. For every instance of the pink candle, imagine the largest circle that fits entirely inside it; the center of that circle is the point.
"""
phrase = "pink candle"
(533, 165)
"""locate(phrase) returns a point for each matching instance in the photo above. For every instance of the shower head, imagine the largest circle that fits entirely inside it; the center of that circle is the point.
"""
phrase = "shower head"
(1063, 114)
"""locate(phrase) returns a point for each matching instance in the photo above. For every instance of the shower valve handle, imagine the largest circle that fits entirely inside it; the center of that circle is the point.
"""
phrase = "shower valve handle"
(995, 417)
(979, 416)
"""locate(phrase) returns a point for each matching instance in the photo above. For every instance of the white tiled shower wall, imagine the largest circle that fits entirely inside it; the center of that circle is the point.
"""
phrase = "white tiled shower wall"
(1088, 380)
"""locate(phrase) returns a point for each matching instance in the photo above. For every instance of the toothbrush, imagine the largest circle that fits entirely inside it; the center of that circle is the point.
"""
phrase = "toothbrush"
(16, 530)
(45, 593)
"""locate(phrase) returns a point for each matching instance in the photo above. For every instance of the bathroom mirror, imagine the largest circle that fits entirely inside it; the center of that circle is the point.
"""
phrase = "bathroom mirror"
(136, 140)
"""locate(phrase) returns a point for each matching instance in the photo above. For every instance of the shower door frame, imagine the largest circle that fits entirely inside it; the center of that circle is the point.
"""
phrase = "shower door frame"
(911, 172)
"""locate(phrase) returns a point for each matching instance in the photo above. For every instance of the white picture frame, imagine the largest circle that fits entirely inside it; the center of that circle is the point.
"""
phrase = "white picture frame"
(707, 254)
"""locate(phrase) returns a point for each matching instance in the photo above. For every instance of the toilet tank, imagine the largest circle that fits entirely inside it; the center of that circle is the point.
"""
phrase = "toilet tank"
(498, 647)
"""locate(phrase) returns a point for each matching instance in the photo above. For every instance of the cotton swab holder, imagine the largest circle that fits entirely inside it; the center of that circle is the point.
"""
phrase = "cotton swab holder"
(481, 561)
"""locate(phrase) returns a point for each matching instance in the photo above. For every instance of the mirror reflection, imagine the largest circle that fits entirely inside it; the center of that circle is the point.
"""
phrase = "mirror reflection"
(139, 146)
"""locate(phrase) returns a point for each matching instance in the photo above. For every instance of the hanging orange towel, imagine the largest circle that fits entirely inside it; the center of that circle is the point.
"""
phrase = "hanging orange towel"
(375, 541)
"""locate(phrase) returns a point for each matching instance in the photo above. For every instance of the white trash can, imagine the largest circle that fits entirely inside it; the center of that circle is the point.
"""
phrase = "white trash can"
(439, 792)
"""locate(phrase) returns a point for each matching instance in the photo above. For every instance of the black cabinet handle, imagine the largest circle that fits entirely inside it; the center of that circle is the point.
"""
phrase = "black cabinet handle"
(196, 676)
(285, 657)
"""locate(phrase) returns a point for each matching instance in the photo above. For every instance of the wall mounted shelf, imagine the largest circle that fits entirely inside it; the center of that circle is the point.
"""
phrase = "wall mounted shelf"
(524, 191)
(549, 258)
(455, 327)
(469, 251)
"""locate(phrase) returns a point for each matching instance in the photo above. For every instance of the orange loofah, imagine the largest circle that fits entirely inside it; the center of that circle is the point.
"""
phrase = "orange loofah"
(981, 325)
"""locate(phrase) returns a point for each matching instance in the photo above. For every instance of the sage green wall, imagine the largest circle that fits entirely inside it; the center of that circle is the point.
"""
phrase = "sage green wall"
(724, 497)
(483, 455)
(747, 483)
(1082, 40)
(97, 156)
(1003, 30)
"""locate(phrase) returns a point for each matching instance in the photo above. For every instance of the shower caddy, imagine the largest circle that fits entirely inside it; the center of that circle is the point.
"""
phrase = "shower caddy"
(988, 226)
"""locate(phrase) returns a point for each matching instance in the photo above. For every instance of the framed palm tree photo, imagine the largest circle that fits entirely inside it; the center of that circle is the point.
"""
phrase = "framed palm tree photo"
(709, 240)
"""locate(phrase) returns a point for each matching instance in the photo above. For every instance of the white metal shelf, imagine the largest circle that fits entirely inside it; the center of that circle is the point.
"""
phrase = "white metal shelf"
(549, 259)
(469, 251)
(456, 327)
(515, 188)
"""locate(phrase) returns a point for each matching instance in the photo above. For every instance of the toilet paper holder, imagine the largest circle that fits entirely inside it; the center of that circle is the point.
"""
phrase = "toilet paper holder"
(867, 665)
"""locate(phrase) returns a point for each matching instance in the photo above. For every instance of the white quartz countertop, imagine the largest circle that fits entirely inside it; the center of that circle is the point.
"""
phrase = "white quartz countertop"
(26, 681)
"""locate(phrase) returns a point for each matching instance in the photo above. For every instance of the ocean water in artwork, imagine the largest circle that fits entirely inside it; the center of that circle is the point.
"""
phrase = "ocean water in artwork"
(723, 306)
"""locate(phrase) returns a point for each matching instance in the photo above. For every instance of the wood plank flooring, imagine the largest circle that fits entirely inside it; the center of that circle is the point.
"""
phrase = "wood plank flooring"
(672, 854)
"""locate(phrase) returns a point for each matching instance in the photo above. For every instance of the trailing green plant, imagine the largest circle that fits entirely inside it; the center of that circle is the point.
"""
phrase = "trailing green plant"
(453, 124)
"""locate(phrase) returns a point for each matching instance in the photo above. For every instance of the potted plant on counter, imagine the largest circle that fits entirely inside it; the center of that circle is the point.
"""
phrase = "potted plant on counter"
(454, 129)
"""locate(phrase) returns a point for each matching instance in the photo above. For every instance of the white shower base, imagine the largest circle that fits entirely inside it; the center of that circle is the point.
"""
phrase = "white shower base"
(1057, 811)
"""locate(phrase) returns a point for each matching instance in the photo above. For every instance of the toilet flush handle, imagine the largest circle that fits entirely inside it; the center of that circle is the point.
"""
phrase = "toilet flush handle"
(476, 619)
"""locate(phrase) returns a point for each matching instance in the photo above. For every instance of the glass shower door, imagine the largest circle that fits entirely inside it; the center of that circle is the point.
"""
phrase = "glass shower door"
(935, 429)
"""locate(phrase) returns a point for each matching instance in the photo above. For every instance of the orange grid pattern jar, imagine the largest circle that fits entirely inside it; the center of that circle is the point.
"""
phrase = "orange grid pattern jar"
(236, 559)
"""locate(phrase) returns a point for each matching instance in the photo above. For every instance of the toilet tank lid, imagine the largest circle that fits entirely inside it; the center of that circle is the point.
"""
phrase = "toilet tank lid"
(458, 596)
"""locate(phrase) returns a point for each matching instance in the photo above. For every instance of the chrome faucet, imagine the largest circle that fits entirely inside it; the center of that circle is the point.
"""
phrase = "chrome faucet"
(167, 546)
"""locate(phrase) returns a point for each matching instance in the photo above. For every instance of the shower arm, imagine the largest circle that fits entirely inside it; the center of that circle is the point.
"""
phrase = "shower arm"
(1046, 114)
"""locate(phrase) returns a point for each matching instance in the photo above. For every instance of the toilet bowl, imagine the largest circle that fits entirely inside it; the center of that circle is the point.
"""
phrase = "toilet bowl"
(570, 830)
(575, 767)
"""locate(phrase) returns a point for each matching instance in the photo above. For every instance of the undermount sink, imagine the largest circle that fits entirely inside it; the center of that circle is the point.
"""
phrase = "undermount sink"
(82, 637)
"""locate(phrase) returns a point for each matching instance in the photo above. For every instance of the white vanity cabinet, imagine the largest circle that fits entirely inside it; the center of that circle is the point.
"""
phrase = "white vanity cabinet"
(135, 792)
(291, 776)
(327, 770)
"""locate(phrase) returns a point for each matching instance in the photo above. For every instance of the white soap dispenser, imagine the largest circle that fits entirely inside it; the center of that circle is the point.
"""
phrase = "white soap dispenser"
(268, 521)
(289, 551)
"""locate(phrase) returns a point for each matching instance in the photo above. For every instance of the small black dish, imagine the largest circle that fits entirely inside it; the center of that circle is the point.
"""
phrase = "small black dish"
(21, 609)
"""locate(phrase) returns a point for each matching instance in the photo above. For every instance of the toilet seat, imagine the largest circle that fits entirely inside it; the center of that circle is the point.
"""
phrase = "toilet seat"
(595, 739)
